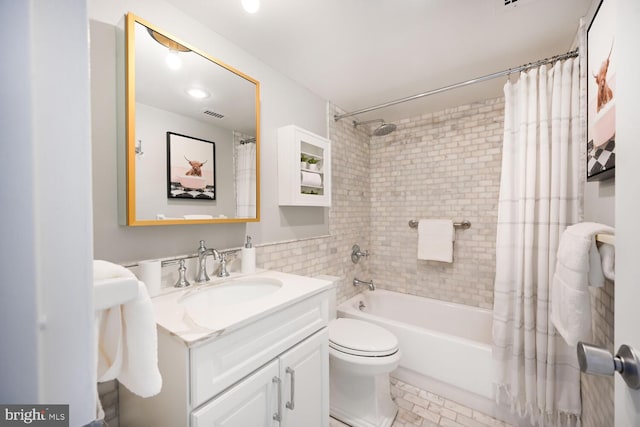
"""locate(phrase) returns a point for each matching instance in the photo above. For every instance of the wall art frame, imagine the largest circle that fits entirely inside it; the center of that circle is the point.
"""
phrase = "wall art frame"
(191, 168)
(601, 93)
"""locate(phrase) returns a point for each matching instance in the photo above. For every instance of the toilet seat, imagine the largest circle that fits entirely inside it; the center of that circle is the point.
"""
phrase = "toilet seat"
(359, 338)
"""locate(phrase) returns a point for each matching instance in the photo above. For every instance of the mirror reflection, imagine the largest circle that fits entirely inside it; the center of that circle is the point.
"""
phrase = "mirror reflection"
(192, 133)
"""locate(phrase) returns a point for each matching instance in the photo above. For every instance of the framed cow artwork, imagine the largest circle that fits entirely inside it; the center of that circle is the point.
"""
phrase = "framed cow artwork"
(191, 168)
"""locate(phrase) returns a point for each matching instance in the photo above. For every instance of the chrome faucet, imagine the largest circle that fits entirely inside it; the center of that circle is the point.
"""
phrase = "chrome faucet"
(202, 275)
(370, 284)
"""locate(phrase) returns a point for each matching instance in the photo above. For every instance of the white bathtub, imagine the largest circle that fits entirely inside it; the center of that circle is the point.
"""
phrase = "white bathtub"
(446, 342)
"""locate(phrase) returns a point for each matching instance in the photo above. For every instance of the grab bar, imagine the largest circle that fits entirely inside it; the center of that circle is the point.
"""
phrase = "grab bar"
(463, 224)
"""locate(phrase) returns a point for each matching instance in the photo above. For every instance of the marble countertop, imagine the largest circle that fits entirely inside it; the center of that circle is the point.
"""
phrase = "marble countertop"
(173, 316)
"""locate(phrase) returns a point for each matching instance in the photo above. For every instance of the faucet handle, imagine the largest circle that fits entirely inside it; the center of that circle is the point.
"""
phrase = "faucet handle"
(356, 254)
(222, 270)
(182, 279)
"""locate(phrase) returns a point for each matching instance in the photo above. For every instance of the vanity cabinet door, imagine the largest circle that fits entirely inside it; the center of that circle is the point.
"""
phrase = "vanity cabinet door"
(304, 371)
(251, 402)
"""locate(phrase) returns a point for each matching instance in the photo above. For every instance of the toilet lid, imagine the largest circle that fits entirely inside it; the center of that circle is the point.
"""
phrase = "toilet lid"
(361, 338)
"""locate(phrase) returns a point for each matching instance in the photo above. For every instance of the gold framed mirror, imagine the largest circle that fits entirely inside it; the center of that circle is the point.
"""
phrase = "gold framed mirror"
(173, 88)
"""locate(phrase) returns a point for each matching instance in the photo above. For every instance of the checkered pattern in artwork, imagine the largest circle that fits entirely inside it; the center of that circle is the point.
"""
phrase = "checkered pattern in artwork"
(601, 158)
(179, 192)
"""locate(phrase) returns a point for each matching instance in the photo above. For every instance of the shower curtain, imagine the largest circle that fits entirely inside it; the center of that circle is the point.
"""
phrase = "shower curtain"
(537, 373)
(245, 180)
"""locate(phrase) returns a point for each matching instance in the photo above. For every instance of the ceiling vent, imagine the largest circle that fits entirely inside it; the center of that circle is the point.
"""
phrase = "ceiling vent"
(510, 2)
(213, 114)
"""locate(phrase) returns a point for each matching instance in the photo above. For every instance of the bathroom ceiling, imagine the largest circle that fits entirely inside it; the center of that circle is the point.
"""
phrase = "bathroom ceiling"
(360, 53)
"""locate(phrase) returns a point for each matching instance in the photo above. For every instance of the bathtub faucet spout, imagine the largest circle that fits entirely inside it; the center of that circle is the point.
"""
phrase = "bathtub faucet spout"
(370, 284)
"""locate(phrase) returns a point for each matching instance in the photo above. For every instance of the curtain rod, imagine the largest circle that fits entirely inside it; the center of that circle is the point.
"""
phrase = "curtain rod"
(571, 54)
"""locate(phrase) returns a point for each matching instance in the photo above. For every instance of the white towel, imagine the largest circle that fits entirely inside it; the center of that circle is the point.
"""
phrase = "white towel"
(310, 179)
(197, 216)
(127, 338)
(435, 239)
(578, 266)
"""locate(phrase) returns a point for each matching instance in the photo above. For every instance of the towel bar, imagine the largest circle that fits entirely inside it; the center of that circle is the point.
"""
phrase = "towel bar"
(463, 224)
(606, 238)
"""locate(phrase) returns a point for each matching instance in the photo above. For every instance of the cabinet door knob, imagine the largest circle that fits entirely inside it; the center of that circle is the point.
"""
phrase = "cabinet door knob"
(598, 361)
(291, 403)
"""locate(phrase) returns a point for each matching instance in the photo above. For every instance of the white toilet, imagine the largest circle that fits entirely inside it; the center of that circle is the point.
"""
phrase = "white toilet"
(361, 355)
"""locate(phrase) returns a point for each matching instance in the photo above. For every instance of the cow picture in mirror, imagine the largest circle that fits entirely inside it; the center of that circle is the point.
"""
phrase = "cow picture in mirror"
(191, 171)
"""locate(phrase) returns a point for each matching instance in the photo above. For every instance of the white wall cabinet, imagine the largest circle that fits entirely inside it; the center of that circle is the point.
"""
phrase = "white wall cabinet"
(304, 168)
(277, 365)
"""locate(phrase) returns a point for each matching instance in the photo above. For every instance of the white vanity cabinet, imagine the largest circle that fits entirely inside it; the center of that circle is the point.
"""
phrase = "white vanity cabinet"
(290, 391)
(275, 365)
(303, 183)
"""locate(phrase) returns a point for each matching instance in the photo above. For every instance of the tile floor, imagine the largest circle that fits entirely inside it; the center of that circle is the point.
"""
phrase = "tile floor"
(420, 408)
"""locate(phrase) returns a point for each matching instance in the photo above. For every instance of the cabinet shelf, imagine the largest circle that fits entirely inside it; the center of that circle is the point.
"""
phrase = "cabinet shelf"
(315, 156)
(312, 171)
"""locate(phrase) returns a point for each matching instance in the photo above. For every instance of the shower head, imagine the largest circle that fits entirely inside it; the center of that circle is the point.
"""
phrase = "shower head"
(383, 129)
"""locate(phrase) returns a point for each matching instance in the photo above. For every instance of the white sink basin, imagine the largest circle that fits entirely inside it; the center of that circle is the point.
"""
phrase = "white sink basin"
(203, 304)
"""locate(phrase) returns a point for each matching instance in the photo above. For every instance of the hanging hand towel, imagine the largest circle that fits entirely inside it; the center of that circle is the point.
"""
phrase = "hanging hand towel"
(435, 239)
(127, 338)
(578, 266)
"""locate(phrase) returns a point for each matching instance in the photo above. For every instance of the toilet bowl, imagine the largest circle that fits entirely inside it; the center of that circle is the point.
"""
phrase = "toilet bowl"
(361, 355)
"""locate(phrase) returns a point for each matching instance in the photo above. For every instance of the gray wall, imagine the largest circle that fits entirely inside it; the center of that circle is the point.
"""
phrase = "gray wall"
(599, 201)
(283, 102)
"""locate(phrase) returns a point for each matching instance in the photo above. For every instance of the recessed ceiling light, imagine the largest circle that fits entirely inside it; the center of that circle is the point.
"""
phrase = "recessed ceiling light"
(251, 6)
(198, 93)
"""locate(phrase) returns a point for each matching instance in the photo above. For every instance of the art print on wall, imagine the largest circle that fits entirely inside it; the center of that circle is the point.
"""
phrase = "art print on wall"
(601, 93)
(191, 168)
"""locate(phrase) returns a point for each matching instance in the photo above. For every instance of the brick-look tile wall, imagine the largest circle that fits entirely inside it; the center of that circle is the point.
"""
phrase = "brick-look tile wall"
(438, 165)
(597, 391)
